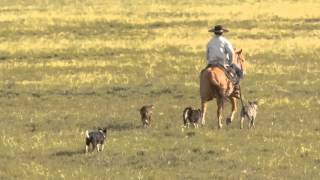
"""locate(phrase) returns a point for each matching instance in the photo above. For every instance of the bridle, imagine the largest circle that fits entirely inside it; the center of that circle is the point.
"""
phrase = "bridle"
(240, 60)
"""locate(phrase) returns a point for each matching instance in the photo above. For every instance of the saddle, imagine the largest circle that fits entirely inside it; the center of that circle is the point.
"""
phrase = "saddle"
(229, 71)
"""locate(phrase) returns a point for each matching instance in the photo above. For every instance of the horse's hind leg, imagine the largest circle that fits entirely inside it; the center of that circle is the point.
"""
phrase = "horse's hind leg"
(203, 112)
(233, 110)
(220, 111)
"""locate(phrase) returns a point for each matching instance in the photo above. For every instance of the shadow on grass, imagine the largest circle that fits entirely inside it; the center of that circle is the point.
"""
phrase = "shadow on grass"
(68, 153)
(123, 127)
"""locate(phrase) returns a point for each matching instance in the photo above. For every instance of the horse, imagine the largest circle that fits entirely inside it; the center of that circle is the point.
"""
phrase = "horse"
(214, 83)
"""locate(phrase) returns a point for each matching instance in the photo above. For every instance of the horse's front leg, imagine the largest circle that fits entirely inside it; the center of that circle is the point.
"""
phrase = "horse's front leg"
(203, 112)
(220, 111)
(233, 110)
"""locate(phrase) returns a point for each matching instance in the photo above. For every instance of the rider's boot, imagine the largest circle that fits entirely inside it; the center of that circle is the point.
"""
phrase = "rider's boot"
(236, 90)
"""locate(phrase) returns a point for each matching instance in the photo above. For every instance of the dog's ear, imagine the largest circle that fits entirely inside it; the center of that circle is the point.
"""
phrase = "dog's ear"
(256, 104)
(199, 112)
(104, 130)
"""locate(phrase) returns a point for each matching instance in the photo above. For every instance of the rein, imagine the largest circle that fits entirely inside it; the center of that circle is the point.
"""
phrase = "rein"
(242, 104)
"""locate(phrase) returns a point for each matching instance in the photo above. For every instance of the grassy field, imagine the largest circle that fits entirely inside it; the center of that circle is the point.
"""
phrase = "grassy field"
(71, 65)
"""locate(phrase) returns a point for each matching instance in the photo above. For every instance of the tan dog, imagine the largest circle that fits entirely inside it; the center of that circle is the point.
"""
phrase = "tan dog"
(249, 111)
(146, 113)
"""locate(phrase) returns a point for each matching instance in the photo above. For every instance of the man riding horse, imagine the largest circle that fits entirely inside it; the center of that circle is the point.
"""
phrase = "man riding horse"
(220, 53)
(220, 79)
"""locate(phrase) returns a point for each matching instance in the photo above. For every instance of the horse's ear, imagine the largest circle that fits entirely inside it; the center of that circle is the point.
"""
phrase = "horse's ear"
(239, 51)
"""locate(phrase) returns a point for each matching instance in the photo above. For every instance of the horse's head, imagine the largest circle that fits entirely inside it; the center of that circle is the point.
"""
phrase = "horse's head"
(239, 60)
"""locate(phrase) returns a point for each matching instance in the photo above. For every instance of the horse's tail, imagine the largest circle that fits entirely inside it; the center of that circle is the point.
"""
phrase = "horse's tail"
(210, 86)
(216, 85)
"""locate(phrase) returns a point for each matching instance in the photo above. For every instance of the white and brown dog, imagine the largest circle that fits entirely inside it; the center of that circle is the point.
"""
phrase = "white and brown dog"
(96, 139)
(191, 116)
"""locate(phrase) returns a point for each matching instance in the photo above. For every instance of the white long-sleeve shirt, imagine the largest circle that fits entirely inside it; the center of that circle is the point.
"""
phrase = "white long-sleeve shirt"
(219, 51)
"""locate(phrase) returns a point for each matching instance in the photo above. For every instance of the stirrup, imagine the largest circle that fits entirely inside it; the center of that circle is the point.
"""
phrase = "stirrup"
(236, 94)
(236, 87)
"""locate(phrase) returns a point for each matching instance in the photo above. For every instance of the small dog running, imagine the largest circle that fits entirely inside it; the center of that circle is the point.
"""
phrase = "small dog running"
(146, 113)
(191, 116)
(249, 111)
(96, 139)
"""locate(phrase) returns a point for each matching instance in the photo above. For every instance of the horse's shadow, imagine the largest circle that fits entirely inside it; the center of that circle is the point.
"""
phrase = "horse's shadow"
(68, 153)
(122, 126)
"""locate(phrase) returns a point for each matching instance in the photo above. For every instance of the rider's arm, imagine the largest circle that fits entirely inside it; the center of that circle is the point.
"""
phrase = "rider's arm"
(229, 50)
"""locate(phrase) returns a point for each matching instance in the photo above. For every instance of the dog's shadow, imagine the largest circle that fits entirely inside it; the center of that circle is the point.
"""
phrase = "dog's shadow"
(68, 153)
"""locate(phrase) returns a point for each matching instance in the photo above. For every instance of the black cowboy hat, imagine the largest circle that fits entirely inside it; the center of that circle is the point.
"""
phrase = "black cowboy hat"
(218, 29)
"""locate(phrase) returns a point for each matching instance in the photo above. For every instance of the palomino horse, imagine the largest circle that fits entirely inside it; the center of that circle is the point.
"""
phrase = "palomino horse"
(215, 84)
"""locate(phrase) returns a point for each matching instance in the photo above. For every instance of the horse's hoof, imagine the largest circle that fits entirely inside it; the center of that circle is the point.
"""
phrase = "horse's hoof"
(203, 123)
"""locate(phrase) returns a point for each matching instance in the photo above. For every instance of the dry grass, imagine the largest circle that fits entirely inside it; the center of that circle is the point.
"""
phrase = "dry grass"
(68, 66)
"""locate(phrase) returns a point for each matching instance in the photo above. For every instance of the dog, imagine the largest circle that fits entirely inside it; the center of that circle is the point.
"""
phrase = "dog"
(249, 111)
(146, 113)
(191, 116)
(96, 139)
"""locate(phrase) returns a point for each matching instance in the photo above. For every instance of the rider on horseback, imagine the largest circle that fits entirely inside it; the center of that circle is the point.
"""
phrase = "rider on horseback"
(220, 52)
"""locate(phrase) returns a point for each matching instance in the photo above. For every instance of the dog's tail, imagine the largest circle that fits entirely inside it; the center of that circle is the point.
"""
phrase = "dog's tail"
(185, 115)
(87, 134)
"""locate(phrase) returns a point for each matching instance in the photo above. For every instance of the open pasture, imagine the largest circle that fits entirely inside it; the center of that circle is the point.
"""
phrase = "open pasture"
(71, 65)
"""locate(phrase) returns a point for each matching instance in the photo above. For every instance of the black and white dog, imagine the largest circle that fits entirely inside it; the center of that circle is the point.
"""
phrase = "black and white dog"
(96, 139)
(191, 116)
